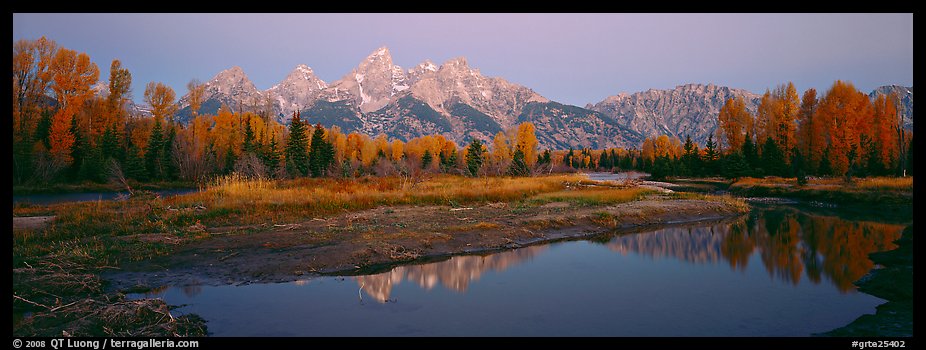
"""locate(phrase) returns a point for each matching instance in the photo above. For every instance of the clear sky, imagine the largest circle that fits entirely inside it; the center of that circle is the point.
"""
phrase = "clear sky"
(570, 58)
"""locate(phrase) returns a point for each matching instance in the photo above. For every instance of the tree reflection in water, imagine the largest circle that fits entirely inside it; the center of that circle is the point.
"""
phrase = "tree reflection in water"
(790, 244)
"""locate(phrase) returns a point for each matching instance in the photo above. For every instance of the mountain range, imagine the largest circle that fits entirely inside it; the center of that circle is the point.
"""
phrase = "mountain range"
(457, 101)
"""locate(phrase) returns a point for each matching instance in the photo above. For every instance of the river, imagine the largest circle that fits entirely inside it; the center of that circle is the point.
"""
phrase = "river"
(778, 271)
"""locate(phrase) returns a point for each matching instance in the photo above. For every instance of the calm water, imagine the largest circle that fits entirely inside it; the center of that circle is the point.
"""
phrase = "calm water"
(777, 272)
(45, 199)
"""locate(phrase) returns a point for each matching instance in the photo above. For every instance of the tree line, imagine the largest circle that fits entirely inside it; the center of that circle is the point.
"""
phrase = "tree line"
(65, 131)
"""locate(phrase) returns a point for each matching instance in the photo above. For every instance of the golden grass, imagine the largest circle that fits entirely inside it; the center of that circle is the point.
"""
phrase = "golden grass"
(260, 200)
(886, 183)
(881, 183)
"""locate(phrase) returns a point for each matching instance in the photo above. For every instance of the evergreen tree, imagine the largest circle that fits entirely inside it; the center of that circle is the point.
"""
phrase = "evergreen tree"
(734, 166)
(518, 165)
(426, 159)
(567, 159)
(78, 150)
(230, 160)
(297, 158)
(688, 157)
(135, 164)
(799, 167)
(710, 156)
(604, 162)
(474, 157)
(153, 153)
(452, 160)
(751, 155)
(321, 153)
(661, 168)
(43, 129)
(109, 145)
(249, 146)
(773, 159)
(271, 158)
(169, 170)
(91, 166)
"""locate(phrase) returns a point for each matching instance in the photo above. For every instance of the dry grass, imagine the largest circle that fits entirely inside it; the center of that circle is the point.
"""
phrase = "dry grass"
(239, 200)
(881, 183)
(885, 183)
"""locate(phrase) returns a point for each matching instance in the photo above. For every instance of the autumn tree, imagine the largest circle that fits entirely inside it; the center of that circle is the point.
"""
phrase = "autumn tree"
(811, 140)
(527, 142)
(120, 88)
(500, 157)
(844, 112)
(161, 99)
(73, 75)
(882, 134)
(32, 75)
(735, 122)
(195, 93)
(31, 78)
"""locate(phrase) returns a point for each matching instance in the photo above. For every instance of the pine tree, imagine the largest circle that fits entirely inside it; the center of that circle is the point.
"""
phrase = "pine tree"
(249, 146)
(773, 159)
(518, 165)
(153, 153)
(321, 153)
(799, 166)
(474, 157)
(109, 145)
(604, 162)
(426, 159)
(169, 169)
(78, 150)
(661, 168)
(297, 158)
(91, 165)
(710, 156)
(135, 164)
(734, 166)
(271, 157)
(230, 160)
(751, 156)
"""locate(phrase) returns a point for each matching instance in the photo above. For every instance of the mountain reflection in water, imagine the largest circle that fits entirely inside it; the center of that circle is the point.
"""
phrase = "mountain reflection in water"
(454, 274)
(790, 243)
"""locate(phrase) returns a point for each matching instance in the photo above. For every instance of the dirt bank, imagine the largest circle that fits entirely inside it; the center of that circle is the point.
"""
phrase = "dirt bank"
(894, 283)
(355, 241)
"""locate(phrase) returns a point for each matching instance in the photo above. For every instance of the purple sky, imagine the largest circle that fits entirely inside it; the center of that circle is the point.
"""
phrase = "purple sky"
(570, 58)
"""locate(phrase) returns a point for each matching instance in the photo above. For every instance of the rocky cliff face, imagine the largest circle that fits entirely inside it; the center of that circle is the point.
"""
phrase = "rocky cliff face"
(685, 110)
(296, 92)
(372, 85)
(231, 87)
(906, 100)
(460, 103)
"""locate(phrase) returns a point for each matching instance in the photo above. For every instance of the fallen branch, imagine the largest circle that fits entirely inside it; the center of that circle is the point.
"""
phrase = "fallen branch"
(466, 208)
(228, 256)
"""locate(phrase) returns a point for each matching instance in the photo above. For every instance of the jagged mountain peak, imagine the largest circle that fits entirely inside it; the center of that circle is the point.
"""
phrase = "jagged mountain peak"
(427, 65)
(297, 91)
(687, 109)
(459, 61)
